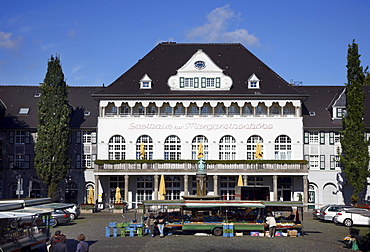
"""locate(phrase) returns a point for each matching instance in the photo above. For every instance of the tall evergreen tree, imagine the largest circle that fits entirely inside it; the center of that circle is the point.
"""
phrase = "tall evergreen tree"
(53, 130)
(355, 153)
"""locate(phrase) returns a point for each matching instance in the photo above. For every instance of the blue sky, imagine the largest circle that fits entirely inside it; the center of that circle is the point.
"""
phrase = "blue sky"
(302, 41)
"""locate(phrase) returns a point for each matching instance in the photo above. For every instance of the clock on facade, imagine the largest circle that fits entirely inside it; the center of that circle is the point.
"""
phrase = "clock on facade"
(199, 64)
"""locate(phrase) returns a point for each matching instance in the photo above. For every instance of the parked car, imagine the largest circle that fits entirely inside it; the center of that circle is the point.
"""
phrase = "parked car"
(354, 216)
(328, 212)
(60, 217)
(316, 213)
(74, 212)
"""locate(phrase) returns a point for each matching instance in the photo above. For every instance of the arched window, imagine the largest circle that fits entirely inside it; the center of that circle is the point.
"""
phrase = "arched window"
(251, 146)
(152, 109)
(179, 109)
(148, 147)
(220, 109)
(227, 148)
(125, 109)
(283, 147)
(166, 110)
(234, 109)
(206, 110)
(247, 110)
(172, 148)
(261, 110)
(193, 110)
(71, 192)
(111, 109)
(117, 148)
(139, 109)
(35, 190)
(195, 146)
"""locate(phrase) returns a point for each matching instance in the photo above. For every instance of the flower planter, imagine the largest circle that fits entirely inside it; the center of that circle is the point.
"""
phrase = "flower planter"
(87, 208)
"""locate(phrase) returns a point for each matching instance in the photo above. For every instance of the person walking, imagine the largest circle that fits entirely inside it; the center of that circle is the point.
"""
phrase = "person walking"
(82, 246)
(61, 246)
(271, 222)
(160, 224)
(150, 222)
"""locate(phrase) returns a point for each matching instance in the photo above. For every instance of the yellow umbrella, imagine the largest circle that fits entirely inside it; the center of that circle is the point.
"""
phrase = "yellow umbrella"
(200, 151)
(90, 197)
(258, 154)
(142, 150)
(240, 181)
(118, 196)
(162, 188)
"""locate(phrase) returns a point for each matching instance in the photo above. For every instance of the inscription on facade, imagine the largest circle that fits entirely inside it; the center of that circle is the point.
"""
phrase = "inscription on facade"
(200, 126)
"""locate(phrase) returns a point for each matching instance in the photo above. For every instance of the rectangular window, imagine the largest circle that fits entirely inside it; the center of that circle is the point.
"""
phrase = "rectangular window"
(322, 162)
(86, 161)
(145, 84)
(189, 83)
(78, 161)
(20, 136)
(86, 136)
(314, 162)
(314, 137)
(340, 112)
(336, 137)
(78, 137)
(210, 83)
(334, 162)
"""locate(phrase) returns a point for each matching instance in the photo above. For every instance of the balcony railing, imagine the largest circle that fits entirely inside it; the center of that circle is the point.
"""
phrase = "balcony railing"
(279, 166)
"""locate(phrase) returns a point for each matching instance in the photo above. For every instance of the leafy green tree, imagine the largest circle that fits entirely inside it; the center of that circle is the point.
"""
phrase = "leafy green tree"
(53, 130)
(355, 153)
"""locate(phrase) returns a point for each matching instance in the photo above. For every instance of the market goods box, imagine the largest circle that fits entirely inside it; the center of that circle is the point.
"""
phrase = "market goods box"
(239, 234)
(255, 233)
(292, 233)
(278, 234)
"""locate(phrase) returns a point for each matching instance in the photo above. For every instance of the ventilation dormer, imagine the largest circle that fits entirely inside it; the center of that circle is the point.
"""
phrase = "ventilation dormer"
(253, 82)
(146, 82)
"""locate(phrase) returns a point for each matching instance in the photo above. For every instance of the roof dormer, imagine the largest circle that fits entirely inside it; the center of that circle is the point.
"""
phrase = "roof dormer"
(253, 82)
(146, 82)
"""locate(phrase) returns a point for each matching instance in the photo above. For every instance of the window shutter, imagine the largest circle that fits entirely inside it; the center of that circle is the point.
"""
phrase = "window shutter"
(27, 161)
(331, 137)
(27, 137)
(93, 157)
(11, 161)
(78, 161)
(218, 82)
(322, 137)
(203, 82)
(181, 82)
(196, 82)
(332, 162)
(307, 157)
(306, 137)
(11, 137)
(78, 137)
(93, 137)
(322, 162)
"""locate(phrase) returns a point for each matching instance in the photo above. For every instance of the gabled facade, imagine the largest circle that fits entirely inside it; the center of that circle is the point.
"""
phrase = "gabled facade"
(151, 120)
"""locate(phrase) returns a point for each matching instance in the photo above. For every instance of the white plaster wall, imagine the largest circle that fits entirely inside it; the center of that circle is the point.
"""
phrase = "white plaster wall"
(186, 128)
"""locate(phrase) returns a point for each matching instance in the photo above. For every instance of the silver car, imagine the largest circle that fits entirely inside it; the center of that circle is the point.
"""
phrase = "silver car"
(59, 217)
(328, 212)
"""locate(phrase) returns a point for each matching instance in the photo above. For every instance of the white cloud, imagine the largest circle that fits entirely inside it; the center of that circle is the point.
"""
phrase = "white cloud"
(9, 42)
(216, 29)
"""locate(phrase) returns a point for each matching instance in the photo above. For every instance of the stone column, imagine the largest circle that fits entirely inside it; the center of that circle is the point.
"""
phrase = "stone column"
(275, 178)
(215, 184)
(156, 187)
(96, 194)
(186, 184)
(126, 188)
(305, 191)
(245, 180)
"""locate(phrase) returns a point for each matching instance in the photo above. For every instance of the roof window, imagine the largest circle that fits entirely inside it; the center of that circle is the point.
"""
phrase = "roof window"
(23, 111)
(86, 113)
(37, 95)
